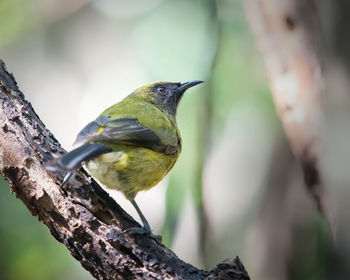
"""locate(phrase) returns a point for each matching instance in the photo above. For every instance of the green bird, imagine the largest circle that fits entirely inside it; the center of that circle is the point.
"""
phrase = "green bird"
(133, 144)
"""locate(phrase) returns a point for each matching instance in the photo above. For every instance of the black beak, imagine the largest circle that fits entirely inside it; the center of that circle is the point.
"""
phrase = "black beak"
(186, 85)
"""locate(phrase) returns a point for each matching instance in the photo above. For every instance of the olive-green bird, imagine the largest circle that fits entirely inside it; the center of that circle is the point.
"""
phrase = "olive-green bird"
(133, 144)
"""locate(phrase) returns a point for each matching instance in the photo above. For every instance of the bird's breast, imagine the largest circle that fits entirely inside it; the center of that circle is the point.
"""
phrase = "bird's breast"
(131, 169)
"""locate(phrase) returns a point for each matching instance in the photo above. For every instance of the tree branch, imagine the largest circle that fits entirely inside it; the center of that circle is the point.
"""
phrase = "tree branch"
(81, 214)
(287, 33)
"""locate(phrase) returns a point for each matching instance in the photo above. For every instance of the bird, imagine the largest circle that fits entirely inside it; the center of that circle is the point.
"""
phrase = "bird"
(131, 145)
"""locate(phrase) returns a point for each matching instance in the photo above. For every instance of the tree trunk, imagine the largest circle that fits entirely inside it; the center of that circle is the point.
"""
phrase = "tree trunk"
(288, 36)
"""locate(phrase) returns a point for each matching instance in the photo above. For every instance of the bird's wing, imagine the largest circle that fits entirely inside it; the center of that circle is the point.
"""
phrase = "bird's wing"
(126, 130)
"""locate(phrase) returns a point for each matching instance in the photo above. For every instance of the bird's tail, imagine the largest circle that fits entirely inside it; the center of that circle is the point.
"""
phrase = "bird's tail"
(73, 159)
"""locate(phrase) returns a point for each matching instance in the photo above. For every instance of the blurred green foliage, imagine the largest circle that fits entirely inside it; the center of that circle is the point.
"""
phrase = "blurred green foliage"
(9, 29)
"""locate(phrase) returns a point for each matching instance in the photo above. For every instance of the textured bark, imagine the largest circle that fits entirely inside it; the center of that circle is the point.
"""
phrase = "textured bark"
(287, 34)
(81, 215)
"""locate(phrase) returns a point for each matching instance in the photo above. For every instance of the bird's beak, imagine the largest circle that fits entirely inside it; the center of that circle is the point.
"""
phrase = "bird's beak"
(186, 85)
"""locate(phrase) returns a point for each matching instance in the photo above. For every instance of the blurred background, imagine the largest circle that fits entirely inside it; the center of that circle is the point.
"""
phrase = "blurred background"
(236, 190)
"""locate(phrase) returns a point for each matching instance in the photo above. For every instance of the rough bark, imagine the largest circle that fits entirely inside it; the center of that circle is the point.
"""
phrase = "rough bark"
(287, 34)
(80, 214)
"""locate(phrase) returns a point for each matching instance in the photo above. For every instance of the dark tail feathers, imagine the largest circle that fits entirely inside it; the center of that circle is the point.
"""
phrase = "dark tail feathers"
(73, 159)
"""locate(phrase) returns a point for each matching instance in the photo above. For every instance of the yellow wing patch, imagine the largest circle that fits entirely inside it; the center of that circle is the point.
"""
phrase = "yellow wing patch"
(99, 130)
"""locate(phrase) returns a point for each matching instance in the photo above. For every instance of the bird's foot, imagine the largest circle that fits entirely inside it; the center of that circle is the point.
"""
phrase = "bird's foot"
(142, 230)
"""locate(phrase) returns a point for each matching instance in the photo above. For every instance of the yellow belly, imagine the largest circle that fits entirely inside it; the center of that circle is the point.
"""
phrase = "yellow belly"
(130, 169)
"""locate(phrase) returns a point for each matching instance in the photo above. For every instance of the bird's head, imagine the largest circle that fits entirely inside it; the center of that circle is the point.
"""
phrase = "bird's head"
(166, 96)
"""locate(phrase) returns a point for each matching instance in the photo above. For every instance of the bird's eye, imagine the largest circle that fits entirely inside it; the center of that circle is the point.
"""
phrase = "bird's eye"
(161, 90)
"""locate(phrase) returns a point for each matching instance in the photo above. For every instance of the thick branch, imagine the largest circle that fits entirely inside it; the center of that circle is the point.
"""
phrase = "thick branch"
(287, 33)
(81, 215)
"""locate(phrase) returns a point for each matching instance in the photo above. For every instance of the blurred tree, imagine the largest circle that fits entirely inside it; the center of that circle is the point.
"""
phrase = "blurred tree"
(294, 39)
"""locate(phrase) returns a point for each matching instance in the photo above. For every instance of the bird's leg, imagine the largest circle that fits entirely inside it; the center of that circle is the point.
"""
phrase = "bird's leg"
(146, 227)
(145, 223)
